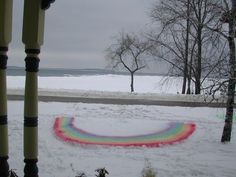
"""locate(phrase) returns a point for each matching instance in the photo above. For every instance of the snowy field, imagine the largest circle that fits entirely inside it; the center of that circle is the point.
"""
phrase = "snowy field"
(110, 83)
(201, 154)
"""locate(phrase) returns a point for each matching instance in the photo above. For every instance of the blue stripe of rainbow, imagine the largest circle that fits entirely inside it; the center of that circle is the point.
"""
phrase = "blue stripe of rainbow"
(65, 129)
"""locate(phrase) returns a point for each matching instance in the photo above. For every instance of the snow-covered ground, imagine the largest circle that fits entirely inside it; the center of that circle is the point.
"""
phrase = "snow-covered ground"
(110, 83)
(201, 154)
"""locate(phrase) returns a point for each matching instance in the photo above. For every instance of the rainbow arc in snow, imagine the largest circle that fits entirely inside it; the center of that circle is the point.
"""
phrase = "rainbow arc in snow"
(174, 132)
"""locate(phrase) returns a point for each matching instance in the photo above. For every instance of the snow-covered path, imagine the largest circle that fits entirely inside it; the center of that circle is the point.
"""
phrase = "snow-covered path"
(49, 95)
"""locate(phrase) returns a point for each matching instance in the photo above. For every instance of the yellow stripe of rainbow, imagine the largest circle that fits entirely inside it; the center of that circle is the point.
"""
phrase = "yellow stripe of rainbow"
(65, 129)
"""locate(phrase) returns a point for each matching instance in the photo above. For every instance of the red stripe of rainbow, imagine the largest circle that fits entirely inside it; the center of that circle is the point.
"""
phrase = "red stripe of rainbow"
(65, 129)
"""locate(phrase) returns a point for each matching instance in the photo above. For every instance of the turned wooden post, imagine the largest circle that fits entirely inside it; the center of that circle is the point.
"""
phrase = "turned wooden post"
(5, 38)
(32, 37)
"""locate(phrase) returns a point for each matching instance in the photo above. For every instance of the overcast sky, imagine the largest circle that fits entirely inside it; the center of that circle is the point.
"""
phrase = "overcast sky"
(77, 32)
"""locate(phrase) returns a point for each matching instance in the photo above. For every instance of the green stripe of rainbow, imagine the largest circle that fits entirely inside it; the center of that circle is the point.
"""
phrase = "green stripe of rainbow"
(65, 129)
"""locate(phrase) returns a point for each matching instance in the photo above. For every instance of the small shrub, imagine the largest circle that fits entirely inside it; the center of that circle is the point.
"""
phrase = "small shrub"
(102, 172)
(12, 173)
(148, 170)
(82, 174)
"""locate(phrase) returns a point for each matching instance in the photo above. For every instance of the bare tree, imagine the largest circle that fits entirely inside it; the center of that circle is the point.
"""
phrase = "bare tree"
(173, 15)
(128, 52)
(186, 68)
(231, 14)
(205, 12)
(186, 47)
(228, 16)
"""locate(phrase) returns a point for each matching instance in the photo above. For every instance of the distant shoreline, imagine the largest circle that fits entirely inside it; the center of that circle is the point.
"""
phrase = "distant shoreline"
(62, 72)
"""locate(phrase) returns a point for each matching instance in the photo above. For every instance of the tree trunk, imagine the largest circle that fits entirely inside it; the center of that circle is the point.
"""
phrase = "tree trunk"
(184, 83)
(132, 82)
(226, 136)
(186, 50)
(189, 84)
(190, 75)
(199, 61)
